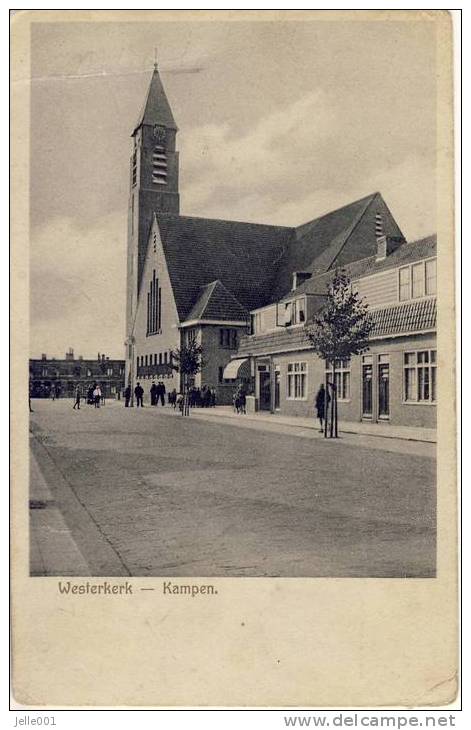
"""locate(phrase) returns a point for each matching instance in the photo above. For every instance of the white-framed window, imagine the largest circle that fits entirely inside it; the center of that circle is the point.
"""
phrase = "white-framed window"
(296, 382)
(420, 376)
(342, 377)
(418, 280)
(294, 312)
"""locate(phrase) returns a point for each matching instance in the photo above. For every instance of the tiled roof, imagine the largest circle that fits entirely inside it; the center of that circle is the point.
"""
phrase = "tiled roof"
(408, 317)
(242, 256)
(405, 254)
(342, 235)
(156, 109)
(316, 238)
(282, 340)
(217, 302)
(417, 316)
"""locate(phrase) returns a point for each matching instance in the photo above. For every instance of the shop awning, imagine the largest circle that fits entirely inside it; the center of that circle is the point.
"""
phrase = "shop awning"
(234, 368)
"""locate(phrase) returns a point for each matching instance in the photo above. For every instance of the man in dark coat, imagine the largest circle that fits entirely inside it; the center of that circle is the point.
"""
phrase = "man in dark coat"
(78, 395)
(322, 398)
(153, 394)
(127, 396)
(139, 393)
(162, 392)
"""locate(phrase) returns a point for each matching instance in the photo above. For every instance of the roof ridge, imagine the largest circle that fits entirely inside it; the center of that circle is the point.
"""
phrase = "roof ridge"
(337, 210)
(352, 228)
(222, 220)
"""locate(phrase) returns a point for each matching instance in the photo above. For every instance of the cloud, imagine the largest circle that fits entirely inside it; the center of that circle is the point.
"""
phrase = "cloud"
(78, 287)
(305, 160)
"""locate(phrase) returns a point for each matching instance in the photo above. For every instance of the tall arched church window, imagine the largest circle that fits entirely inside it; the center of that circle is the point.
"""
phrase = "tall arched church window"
(154, 306)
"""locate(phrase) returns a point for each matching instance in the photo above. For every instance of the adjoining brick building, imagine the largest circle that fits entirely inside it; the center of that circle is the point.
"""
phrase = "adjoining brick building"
(190, 277)
(394, 381)
(61, 377)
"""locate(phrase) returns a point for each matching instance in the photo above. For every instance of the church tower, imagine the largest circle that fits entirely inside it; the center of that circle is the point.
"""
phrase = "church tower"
(153, 184)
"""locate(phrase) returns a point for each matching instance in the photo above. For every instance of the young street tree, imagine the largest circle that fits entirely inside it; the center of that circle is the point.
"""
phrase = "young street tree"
(188, 361)
(341, 329)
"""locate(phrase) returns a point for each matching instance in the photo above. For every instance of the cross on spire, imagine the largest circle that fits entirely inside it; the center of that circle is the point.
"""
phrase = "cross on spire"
(156, 65)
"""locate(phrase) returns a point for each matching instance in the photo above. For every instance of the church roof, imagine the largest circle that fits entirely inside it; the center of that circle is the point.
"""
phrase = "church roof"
(156, 109)
(217, 302)
(243, 257)
(316, 246)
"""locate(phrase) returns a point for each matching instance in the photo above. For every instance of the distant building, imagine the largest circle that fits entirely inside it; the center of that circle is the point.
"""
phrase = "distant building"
(394, 382)
(61, 377)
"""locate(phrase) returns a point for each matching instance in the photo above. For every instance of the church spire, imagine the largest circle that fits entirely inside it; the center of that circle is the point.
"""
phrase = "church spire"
(156, 110)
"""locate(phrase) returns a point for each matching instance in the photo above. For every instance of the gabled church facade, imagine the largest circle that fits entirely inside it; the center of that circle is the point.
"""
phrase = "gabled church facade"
(190, 277)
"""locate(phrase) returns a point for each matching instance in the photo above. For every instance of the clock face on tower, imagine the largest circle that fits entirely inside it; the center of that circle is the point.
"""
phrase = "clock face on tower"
(160, 134)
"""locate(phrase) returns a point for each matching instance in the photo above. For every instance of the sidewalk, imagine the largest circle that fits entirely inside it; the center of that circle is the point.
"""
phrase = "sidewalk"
(52, 548)
(382, 430)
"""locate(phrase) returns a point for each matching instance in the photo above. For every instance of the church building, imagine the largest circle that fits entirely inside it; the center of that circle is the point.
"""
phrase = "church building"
(191, 277)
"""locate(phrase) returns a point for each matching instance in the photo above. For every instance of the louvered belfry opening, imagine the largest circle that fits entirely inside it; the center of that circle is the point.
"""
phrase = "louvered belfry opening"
(159, 165)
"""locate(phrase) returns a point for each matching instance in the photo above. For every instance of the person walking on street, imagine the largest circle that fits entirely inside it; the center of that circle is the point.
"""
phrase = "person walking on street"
(161, 394)
(127, 396)
(320, 403)
(97, 396)
(139, 393)
(78, 395)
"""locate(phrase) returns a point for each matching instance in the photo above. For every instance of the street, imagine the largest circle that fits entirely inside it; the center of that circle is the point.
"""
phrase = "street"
(146, 492)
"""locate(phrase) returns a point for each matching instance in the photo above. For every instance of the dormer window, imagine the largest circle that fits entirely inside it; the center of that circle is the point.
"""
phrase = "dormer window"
(159, 165)
(295, 312)
(418, 280)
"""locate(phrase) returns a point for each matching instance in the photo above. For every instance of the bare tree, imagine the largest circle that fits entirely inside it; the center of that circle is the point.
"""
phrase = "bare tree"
(341, 329)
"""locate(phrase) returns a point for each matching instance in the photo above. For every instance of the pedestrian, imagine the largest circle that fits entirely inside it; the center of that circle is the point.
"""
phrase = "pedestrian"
(90, 397)
(320, 403)
(153, 394)
(139, 393)
(162, 392)
(103, 397)
(97, 396)
(78, 395)
(127, 396)
(213, 397)
(172, 397)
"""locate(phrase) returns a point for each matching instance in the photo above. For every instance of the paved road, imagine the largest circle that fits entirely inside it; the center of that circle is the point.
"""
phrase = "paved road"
(146, 493)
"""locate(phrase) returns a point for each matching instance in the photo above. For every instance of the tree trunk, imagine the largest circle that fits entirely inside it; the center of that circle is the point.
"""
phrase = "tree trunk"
(336, 430)
(332, 401)
(326, 401)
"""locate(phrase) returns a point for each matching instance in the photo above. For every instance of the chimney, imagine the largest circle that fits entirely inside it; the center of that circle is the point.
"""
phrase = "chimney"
(43, 356)
(299, 277)
(70, 355)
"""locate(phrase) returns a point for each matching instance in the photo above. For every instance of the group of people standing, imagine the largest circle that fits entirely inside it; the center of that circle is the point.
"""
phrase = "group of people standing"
(157, 394)
(204, 397)
(95, 396)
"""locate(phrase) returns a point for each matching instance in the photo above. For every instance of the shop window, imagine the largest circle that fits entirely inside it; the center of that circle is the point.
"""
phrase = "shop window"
(297, 381)
(342, 378)
(420, 376)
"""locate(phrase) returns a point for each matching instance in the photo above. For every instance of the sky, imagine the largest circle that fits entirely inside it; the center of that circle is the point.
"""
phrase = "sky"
(279, 122)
